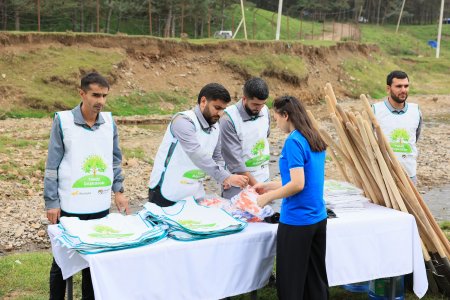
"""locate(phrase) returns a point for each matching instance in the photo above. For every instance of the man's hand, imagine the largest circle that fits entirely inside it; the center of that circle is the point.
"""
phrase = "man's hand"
(240, 181)
(53, 215)
(121, 203)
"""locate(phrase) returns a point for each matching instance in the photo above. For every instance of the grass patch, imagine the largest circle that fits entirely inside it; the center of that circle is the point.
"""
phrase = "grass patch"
(46, 79)
(408, 51)
(282, 66)
(25, 276)
(262, 24)
(147, 103)
(137, 153)
(368, 76)
(8, 144)
(445, 226)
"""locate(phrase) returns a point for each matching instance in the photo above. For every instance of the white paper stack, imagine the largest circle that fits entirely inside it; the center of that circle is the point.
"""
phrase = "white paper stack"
(343, 196)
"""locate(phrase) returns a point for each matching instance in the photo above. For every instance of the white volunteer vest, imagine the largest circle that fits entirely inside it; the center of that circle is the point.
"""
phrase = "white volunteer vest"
(177, 175)
(255, 145)
(85, 174)
(401, 133)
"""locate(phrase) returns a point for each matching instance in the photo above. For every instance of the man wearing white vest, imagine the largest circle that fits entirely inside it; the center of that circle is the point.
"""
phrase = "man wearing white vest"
(83, 167)
(400, 121)
(190, 150)
(245, 128)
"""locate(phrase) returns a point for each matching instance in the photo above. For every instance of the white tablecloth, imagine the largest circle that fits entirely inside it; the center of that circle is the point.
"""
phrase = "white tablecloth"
(372, 243)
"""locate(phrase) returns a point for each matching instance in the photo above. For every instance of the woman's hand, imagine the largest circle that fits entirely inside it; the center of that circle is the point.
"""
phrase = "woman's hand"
(264, 187)
(260, 187)
(262, 200)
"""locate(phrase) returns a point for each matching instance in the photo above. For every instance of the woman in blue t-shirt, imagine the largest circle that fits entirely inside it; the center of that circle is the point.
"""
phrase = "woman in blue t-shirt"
(301, 237)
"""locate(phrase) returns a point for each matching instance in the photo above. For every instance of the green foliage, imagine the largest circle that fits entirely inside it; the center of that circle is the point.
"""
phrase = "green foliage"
(400, 135)
(94, 163)
(258, 148)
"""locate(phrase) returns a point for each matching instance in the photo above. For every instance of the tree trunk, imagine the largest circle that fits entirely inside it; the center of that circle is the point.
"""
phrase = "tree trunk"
(223, 15)
(168, 23)
(378, 13)
(182, 18)
(98, 16)
(5, 14)
(173, 27)
(82, 15)
(195, 27)
(119, 18)
(201, 29)
(38, 8)
(17, 20)
(108, 18)
(74, 20)
(150, 29)
(209, 22)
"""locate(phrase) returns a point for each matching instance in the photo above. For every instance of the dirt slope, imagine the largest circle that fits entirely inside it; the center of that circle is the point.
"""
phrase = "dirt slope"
(153, 64)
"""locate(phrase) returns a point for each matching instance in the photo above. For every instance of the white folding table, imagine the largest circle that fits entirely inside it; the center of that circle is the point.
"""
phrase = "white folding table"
(373, 243)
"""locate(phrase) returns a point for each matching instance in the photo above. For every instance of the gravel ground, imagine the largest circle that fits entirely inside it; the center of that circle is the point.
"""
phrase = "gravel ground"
(23, 151)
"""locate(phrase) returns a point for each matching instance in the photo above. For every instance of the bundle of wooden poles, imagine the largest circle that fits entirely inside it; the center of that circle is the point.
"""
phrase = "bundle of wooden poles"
(364, 157)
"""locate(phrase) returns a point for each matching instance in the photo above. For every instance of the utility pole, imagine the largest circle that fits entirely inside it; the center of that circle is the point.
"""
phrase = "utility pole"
(400, 16)
(280, 8)
(438, 48)
(243, 19)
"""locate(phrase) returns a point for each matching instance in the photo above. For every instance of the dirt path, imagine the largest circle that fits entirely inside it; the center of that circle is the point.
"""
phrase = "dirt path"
(341, 31)
(23, 151)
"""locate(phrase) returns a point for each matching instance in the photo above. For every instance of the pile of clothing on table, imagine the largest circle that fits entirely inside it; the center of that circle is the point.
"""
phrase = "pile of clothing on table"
(343, 196)
(113, 232)
(243, 206)
(187, 220)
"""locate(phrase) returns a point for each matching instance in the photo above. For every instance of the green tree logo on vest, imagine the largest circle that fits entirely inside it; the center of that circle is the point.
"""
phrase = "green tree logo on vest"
(105, 232)
(192, 224)
(259, 158)
(92, 165)
(400, 141)
(194, 174)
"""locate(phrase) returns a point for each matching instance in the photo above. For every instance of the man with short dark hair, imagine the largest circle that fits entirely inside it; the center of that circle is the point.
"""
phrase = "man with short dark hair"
(83, 167)
(190, 150)
(245, 129)
(400, 121)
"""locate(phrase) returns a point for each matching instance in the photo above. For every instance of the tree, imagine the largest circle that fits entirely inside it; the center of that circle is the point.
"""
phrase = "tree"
(400, 135)
(94, 163)
(258, 148)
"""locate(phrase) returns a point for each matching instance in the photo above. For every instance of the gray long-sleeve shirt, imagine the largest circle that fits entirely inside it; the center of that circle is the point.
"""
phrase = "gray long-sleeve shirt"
(183, 129)
(56, 153)
(231, 145)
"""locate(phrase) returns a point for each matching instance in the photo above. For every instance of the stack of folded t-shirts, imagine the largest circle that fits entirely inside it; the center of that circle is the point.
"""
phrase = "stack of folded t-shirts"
(113, 232)
(189, 221)
(343, 196)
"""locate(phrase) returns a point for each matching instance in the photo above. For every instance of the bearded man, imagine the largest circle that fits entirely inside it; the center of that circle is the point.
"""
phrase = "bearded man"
(190, 150)
(245, 128)
(400, 121)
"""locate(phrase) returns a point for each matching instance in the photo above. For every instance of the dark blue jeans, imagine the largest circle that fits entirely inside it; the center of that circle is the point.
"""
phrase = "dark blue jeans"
(57, 283)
